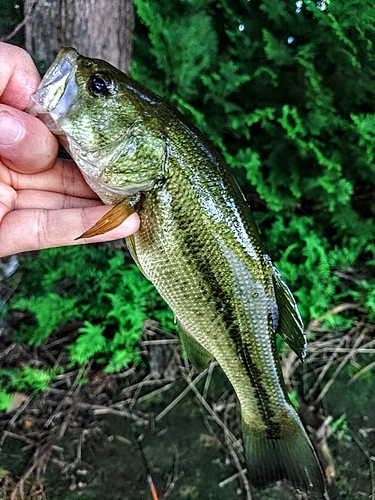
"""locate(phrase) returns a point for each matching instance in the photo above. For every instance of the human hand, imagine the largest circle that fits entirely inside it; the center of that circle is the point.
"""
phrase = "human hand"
(44, 200)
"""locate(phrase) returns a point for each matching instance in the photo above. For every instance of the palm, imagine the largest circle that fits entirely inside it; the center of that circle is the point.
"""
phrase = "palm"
(44, 201)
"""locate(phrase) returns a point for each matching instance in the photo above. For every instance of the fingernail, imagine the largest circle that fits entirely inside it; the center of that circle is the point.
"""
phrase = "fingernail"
(10, 129)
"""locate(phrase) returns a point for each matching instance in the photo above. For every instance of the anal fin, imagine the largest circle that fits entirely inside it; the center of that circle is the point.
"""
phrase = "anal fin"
(130, 242)
(198, 355)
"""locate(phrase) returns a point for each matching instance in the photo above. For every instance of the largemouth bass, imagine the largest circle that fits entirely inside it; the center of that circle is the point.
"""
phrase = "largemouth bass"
(197, 243)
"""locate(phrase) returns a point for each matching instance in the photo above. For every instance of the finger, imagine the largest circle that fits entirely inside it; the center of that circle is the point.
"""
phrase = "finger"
(8, 199)
(51, 201)
(19, 77)
(25, 230)
(26, 145)
(64, 177)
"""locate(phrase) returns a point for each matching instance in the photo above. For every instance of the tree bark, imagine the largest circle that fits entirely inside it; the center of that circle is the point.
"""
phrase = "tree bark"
(96, 28)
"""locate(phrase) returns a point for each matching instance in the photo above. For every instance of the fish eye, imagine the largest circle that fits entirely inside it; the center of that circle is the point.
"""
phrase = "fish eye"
(100, 85)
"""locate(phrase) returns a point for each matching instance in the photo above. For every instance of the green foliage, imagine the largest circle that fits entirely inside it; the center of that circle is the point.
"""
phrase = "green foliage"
(339, 428)
(91, 342)
(181, 44)
(5, 399)
(370, 303)
(94, 286)
(286, 92)
(366, 296)
(34, 378)
(51, 311)
(27, 378)
(293, 396)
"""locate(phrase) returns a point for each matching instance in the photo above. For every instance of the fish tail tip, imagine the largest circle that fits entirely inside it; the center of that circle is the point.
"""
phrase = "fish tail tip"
(289, 457)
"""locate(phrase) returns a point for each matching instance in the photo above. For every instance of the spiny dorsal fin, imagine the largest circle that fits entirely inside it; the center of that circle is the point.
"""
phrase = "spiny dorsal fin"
(290, 322)
(112, 219)
(198, 355)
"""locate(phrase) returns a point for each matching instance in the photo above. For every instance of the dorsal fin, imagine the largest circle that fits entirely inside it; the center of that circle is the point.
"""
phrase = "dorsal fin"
(290, 322)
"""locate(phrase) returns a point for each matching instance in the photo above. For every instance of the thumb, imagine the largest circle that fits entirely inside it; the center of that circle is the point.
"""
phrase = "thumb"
(26, 145)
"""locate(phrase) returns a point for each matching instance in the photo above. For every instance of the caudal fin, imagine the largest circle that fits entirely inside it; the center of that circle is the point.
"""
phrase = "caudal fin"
(290, 457)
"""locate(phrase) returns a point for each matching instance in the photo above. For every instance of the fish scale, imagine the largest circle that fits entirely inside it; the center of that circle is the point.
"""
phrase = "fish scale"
(177, 269)
(197, 243)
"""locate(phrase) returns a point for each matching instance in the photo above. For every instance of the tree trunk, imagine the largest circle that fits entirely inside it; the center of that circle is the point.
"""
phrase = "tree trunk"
(96, 28)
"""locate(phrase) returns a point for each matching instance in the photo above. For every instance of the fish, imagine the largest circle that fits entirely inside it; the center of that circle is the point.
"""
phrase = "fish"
(197, 243)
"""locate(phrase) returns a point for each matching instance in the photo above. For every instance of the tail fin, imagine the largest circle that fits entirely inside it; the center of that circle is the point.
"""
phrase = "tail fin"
(291, 457)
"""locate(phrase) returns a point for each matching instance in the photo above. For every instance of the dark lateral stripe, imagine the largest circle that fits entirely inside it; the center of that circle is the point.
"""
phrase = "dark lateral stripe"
(261, 395)
(203, 264)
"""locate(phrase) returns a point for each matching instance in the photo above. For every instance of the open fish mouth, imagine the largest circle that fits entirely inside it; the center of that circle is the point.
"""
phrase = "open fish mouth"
(56, 92)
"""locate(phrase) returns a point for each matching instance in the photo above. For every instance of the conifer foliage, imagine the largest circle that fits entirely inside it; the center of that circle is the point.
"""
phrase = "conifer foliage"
(285, 90)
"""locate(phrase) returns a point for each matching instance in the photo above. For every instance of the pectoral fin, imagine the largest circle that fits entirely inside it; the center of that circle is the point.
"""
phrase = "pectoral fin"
(197, 354)
(290, 322)
(111, 219)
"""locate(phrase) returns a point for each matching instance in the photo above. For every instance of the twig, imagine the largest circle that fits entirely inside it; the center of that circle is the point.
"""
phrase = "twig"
(327, 366)
(144, 383)
(156, 392)
(160, 342)
(211, 367)
(341, 350)
(18, 27)
(59, 341)
(19, 411)
(333, 345)
(371, 460)
(315, 323)
(146, 464)
(138, 390)
(126, 373)
(171, 483)
(341, 366)
(204, 403)
(232, 478)
(6, 434)
(80, 374)
(361, 372)
(103, 410)
(39, 461)
(79, 447)
(242, 473)
(4, 354)
(180, 396)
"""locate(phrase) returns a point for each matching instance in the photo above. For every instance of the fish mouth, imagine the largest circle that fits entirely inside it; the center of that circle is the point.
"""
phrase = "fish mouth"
(57, 90)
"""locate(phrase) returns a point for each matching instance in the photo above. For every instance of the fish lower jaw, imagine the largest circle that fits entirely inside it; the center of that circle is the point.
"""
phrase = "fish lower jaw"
(37, 110)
